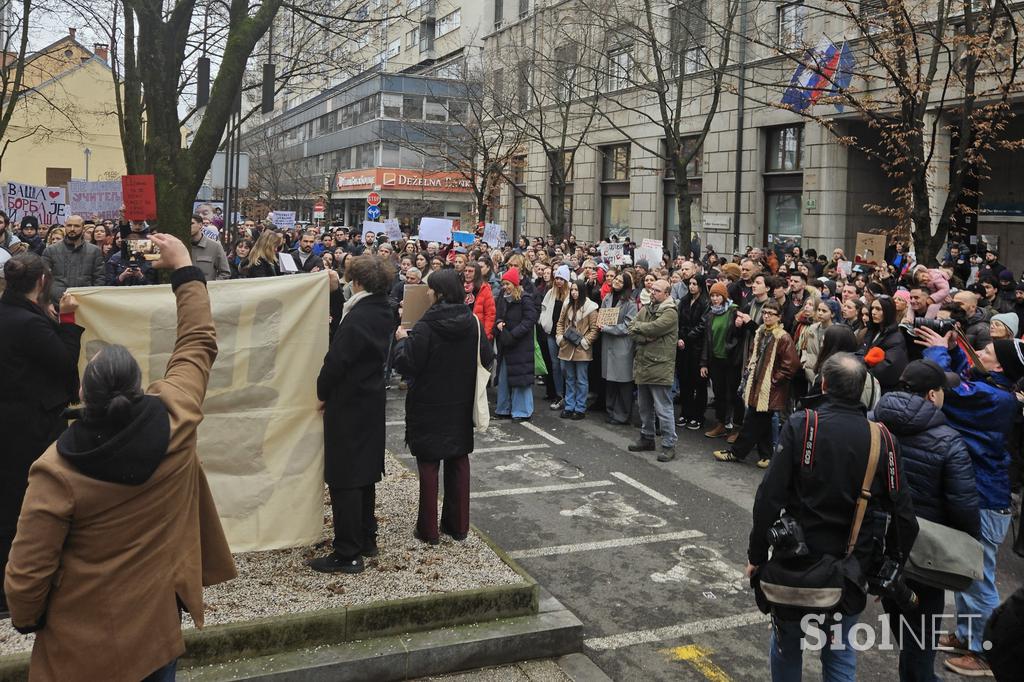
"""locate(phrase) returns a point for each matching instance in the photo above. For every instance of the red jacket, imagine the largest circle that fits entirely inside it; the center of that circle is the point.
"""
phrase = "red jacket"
(484, 309)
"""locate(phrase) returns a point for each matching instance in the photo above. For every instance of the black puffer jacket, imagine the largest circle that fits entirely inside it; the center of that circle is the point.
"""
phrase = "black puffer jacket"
(515, 343)
(938, 467)
(891, 341)
(440, 356)
(691, 321)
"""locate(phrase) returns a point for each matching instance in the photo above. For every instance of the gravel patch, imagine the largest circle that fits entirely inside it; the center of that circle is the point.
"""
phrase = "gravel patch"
(279, 582)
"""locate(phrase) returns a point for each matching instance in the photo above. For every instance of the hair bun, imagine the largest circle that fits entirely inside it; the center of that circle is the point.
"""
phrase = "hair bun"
(119, 410)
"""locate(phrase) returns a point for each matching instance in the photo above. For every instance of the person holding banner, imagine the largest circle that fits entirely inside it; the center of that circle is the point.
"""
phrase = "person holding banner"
(350, 388)
(439, 354)
(119, 531)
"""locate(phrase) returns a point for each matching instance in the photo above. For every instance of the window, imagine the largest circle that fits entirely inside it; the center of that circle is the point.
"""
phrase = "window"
(457, 110)
(524, 8)
(366, 155)
(615, 190)
(518, 200)
(562, 176)
(688, 36)
(785, 149)
(620, 67)
(499, 13)
(523, 86)
(565, 72)
(413, 4)
(394, 47)
(392, 105)
(412, 39)
(412, 107)
(791, 25)
(498, 88)
(390, 156)
(436, 110)
(783, 182)
(448, 23)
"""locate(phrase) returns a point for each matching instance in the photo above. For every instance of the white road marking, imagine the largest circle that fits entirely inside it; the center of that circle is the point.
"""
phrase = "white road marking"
(611, 508)
(509, 448)
(642, 488)
(676, 631)
(542, 465)
(541, 489)
(542, 433)
(604, 544)
(397, 423)
(704, 568)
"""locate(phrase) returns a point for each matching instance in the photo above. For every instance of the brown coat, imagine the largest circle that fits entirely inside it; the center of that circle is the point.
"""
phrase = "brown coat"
(102, 566)
(585, 322)
(766, 387)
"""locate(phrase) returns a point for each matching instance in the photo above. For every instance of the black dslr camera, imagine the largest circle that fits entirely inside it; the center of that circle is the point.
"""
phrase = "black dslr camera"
(786, 538)
(940, 327)
(888, 582)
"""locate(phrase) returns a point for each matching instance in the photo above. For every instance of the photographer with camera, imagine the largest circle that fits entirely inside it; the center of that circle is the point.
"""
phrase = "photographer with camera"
(940, 478)
(982, 409)
(973, 323)
(833, 469)
(125, 268)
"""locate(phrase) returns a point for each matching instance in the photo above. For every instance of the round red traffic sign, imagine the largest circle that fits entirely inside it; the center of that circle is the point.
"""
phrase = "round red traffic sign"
(373, 198)
(319, 207)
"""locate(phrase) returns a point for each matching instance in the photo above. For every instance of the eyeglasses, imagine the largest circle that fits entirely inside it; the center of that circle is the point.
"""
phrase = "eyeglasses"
(769, 312)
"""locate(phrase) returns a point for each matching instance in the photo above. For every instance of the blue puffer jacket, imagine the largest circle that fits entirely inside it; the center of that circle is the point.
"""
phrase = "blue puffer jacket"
(982, 410)
(935, 459)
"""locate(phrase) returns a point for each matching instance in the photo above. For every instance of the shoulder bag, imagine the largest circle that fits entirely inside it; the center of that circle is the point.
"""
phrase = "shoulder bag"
(792, 588)
(481, 410)
(944, 557)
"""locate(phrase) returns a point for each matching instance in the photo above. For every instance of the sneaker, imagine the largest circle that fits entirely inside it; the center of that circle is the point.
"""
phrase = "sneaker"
(576, 416)
(497, 415)
(726, 456)
(694, 425)
(332, 563)
(731, 438)
(951, 642)
(559, 404)
(763, 463)
(667, 454)
(970, 665)
(716, 432)
(682, 421)
(520, 420)
(566, 414)
(642, 445)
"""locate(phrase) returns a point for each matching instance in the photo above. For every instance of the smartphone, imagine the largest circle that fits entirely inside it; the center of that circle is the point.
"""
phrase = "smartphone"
(146, 248)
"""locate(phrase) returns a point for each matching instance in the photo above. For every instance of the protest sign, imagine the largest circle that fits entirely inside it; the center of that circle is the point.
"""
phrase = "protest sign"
(463, 237)
(392, 229)
(870, 248)
(371, 226)
(95, 199)
(845, 267)
(45, 203)
(414, 303)
(613, 253)
(494, 236)
(436, 230)
(139, 193)
(650, 250)
(283, 220)
(286, 263)
(608, 316)
(261, 440)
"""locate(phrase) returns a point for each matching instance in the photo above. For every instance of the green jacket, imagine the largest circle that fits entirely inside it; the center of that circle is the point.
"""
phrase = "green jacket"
(655, 331)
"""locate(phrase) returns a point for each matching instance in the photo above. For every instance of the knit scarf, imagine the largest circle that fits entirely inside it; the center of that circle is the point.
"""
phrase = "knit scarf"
(719, 309)
(762, 366)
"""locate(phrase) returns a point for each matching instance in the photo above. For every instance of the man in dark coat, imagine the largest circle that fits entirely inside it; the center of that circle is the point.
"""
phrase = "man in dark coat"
(38, 378)
(351, 391)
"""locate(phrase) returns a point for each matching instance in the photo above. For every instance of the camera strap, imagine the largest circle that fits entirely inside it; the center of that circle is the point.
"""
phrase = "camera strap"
(874, 452)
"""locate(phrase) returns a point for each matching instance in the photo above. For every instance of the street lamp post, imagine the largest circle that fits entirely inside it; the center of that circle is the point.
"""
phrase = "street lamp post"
(88, 153)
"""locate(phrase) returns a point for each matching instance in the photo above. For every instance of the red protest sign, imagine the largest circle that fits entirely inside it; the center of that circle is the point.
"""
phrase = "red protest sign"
(139, 192)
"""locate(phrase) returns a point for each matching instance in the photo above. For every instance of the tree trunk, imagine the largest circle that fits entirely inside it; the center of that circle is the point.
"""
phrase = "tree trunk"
(683, 203)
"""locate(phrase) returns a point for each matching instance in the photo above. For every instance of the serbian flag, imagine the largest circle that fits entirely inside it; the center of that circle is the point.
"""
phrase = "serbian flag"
(825, 71)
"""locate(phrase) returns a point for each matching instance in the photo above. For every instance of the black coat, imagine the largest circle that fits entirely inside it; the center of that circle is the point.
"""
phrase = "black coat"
(691, 321)
(938, 467)
(888, 371)
(314, 261)
(515, 343)
(261, 269)
(38, 378)
(440, 357)
(351, 383)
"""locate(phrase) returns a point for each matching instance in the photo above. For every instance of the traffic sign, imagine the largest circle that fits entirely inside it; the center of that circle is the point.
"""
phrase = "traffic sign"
(373, 212)
(373, 198)
(319, 207)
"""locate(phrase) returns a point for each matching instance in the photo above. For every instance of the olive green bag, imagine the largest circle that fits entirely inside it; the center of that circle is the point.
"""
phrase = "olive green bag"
(944, 557)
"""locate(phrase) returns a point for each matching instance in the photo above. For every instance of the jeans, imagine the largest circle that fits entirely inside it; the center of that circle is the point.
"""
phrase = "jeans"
(514, 400)
(914, 632)
(975, 605)
(576, 384)
(838, 659)
(164, 674)
(556, 366)
(656, 403)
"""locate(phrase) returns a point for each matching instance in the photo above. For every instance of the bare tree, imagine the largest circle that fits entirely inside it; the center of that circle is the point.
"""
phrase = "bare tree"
(920, 70)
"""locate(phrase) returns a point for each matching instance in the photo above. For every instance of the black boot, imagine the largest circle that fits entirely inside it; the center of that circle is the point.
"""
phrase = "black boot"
(643, 445)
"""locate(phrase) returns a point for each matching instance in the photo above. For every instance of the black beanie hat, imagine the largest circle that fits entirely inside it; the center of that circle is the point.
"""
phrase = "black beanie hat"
(1010, 353)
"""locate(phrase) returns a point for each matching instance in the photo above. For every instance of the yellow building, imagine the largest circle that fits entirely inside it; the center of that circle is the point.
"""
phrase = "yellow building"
(65, 126)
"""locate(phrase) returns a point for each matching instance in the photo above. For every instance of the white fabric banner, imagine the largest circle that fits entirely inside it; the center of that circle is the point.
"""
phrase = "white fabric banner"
(261, 441)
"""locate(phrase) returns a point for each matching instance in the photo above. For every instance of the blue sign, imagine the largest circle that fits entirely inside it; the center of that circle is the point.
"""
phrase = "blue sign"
(373, 212)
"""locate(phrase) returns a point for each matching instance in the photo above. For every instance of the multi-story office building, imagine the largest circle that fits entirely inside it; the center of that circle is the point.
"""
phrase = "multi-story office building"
(763, 173)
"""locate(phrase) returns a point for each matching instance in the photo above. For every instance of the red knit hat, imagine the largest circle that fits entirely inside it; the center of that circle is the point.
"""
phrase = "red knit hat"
(720, 289)
(511, 275)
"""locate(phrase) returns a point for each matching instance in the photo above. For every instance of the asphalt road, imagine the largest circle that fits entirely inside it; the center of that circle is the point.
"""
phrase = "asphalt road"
(648, 555)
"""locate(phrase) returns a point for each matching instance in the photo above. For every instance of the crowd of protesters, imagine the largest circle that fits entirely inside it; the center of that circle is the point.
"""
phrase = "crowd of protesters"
(659, 344)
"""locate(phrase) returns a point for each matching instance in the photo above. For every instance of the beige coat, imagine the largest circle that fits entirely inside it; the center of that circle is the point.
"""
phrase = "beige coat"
(585, 322)
(102, 566)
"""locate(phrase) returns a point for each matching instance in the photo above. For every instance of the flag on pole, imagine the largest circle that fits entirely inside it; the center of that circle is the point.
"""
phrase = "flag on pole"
(826, 70)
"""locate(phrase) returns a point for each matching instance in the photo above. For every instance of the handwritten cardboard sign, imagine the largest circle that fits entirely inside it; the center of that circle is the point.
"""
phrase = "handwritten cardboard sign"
(95, 199)
(48, 204)
(608, 316)
(870, 248)
(139, 196)
(283, 220)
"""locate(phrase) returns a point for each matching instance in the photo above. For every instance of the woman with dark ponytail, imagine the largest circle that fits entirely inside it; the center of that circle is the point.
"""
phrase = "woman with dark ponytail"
(119, 532)
(38, 378)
